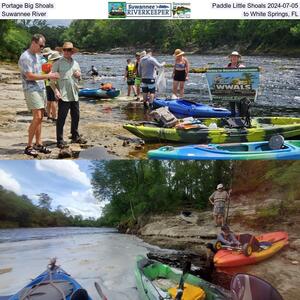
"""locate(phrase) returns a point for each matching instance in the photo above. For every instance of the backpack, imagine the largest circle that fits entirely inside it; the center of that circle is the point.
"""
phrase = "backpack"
(164, 117)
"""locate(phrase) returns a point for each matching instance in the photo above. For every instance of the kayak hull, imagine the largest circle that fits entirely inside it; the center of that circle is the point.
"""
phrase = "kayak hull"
(230, 258)
(98, 93)
(148, 270)
(237, 151)
(262, 129)
(192, 109)
(60, 278)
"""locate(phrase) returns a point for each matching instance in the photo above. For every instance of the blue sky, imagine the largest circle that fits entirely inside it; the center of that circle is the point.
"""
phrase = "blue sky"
(67, 183)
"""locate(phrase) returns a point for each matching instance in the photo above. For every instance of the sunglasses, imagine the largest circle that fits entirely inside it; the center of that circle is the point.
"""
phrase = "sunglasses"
(41, 46)
(68, 49)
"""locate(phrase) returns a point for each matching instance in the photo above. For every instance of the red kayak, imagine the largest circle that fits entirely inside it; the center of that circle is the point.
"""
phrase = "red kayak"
(233, 258)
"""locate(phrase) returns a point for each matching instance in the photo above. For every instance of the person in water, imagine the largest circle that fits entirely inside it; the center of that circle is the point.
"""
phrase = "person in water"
(235, 62)
(180, 72)
(129, 76)
(93, 71)
(147, 72)
(138, 79)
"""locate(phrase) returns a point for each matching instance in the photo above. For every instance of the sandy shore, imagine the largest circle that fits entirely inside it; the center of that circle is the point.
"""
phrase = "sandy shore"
(99, 124)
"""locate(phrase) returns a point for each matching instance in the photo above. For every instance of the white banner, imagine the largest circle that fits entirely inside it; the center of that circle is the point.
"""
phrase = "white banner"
(148, 9)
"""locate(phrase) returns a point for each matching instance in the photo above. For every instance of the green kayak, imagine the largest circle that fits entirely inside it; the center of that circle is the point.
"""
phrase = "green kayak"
(157, 281)
(218, 131)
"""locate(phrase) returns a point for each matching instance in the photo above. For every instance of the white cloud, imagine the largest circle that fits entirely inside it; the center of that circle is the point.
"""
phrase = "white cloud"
(9, 183)
(81, 203)
(67, 169)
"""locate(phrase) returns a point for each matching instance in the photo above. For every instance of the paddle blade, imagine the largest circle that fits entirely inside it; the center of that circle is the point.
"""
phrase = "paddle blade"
(100, 292)
(249, 287)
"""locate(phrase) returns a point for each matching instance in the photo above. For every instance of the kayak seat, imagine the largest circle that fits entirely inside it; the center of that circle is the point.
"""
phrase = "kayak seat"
(246, 238)
(234, 123)
(276, 142)
(251, 287)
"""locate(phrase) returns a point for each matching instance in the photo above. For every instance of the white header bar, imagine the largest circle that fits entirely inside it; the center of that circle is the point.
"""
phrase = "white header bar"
(149, 9)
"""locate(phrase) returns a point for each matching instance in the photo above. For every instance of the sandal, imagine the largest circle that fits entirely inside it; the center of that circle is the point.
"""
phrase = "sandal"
(42, 149)
(29, 150)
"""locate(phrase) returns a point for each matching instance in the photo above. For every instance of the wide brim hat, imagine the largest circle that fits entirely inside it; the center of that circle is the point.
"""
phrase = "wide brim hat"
(220, 186)
(143, 53)
(54, 56)
(47, 51)
(178, 52)
(235, 53)
(67, 45)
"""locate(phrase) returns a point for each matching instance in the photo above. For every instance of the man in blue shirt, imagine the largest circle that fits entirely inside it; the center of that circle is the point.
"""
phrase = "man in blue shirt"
(146, 70)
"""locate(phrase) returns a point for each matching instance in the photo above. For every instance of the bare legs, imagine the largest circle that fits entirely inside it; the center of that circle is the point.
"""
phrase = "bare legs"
(180, 85)
(51, 109)
(35, 127)
(131, 87)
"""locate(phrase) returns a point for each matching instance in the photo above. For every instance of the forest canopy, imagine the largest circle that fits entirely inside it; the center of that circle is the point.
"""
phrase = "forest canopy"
(202, 36)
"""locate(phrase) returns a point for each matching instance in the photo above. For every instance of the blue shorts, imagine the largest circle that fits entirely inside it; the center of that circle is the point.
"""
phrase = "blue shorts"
(148, 86)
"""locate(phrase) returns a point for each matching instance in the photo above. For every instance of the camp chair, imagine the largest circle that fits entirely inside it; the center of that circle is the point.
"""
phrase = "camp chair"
(250, 287)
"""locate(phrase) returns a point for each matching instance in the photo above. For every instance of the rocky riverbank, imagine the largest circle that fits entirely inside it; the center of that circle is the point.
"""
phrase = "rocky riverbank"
(190, 234)
(103, 134)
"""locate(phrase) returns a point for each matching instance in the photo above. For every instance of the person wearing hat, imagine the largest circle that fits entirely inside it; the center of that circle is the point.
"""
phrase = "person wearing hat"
(34, 91)
(51, 100)
(218, 199)
(235, 62)
(180, 72)
(66, 92)
(147, 72)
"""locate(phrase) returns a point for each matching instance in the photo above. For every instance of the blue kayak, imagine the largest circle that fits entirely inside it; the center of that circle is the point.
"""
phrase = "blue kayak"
(234, 151)
(53, 284)
(99, 93)
(192, 109)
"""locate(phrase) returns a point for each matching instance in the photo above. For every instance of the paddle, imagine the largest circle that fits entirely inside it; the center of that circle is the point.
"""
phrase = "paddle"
(186, 268)
(228, 205)
(100, 292)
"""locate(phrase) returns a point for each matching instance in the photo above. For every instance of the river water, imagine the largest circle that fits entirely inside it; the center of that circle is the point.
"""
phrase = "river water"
(88, 254)
(279, 92)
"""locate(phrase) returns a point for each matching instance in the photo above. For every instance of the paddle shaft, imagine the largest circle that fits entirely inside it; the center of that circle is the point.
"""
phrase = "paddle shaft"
(100, 292)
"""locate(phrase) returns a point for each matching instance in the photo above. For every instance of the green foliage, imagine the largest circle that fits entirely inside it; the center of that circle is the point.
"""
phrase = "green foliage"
(13, 40)
(162, 35)
(137, 188)
(19, 211)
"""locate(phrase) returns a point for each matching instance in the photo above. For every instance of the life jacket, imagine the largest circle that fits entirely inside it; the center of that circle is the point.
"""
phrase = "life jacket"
(106, 86)
(130, 70)
(46, 69)
(229, 65)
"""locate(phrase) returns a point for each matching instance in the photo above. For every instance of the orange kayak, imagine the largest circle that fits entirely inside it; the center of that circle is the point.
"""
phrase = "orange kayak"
(234, 258)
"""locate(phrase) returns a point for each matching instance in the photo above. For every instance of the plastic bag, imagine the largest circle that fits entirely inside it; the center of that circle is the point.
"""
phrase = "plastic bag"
(161, 82)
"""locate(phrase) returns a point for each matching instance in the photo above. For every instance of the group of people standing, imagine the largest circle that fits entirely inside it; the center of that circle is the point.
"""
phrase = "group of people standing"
(53, 77)
(142, 75)
(50, 78)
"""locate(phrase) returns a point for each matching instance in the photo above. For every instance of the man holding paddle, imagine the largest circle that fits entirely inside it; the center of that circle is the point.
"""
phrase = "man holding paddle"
(219, 199)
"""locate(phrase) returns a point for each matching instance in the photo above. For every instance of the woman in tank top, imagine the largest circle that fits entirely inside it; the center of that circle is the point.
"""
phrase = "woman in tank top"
(180, 72)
